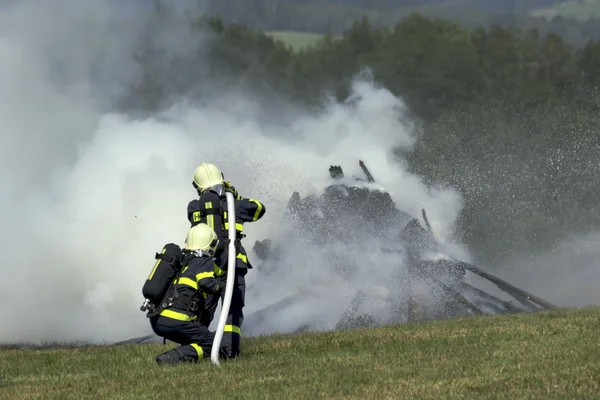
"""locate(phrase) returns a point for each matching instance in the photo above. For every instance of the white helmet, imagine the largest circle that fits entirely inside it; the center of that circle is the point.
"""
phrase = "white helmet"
(206, 176)
(202, 237)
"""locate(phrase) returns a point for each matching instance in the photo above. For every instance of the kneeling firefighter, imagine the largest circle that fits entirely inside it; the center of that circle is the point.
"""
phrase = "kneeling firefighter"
(211, 208)
(176, 290)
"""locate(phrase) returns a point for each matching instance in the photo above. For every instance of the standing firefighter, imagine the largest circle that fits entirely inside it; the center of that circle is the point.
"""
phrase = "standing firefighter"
(211, 208)
(177, 315)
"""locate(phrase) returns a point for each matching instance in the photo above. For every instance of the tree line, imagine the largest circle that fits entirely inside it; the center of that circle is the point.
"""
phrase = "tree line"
(333, 16)
(508, 117)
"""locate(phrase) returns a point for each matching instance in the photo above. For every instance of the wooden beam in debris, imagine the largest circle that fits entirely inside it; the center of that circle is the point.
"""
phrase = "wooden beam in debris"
(514, 291)
(488, 297)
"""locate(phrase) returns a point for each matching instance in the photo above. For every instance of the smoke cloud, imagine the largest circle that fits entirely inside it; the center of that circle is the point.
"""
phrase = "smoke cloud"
(567, 275)
(89, 194)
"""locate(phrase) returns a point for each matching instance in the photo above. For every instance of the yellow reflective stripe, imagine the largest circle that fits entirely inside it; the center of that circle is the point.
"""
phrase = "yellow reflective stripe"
(198, 350)
(204, 275)
(177, 315)
(218, 271)
(210, 221)
(196, 216)
(233, 329)
(259, 208)
(238, 226)
(242, 257)
(208, 205)
(187, 282)
(156, 265)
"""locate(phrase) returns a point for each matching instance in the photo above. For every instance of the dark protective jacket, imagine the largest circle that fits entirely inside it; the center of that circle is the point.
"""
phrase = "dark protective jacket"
(211, 209)
(195, 282)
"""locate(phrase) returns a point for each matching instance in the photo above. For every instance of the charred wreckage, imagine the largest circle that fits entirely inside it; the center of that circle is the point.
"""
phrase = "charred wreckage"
(345, 208)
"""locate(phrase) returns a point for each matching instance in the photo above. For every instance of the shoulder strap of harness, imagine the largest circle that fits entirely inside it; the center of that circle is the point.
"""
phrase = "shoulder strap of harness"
(224, 207)
(210, 211)
(187, 256)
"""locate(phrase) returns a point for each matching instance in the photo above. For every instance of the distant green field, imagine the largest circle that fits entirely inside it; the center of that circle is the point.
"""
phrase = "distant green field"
(296, 40)
(574, 8)
(547, 355)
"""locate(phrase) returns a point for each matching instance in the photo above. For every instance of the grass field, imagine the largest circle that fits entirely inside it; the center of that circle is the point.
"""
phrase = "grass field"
(296, 40)
(573, 8)
(549, 355)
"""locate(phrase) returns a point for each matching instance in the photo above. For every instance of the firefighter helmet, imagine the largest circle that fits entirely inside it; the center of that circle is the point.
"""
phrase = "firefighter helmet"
(202, 237)
(207, 175)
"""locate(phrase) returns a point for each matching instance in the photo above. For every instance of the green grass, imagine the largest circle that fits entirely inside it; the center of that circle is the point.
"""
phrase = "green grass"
(549, 355)
(573, 8)
(296, 40)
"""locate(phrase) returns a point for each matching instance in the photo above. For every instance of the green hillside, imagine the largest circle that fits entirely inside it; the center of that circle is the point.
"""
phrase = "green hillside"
(550, 355)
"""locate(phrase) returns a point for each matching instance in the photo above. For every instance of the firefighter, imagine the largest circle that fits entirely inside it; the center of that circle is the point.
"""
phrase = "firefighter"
(211, 208)
(178, 318)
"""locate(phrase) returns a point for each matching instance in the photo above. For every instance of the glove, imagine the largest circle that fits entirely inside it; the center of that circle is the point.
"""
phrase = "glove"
(223, 244)
(222, 280)
(230, 188)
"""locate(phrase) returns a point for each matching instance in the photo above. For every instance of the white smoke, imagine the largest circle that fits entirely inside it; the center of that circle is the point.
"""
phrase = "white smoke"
(567, 275)
(89, 196)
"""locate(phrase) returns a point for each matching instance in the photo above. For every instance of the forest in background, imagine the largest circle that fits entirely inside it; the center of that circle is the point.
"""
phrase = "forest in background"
(508, 117)
(335, 16)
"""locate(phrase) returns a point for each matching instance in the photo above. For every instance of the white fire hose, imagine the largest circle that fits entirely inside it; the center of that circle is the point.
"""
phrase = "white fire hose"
(214, 354)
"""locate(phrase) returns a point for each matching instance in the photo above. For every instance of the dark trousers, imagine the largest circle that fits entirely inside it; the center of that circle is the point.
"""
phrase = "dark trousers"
(230, 344)
(194, 337)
